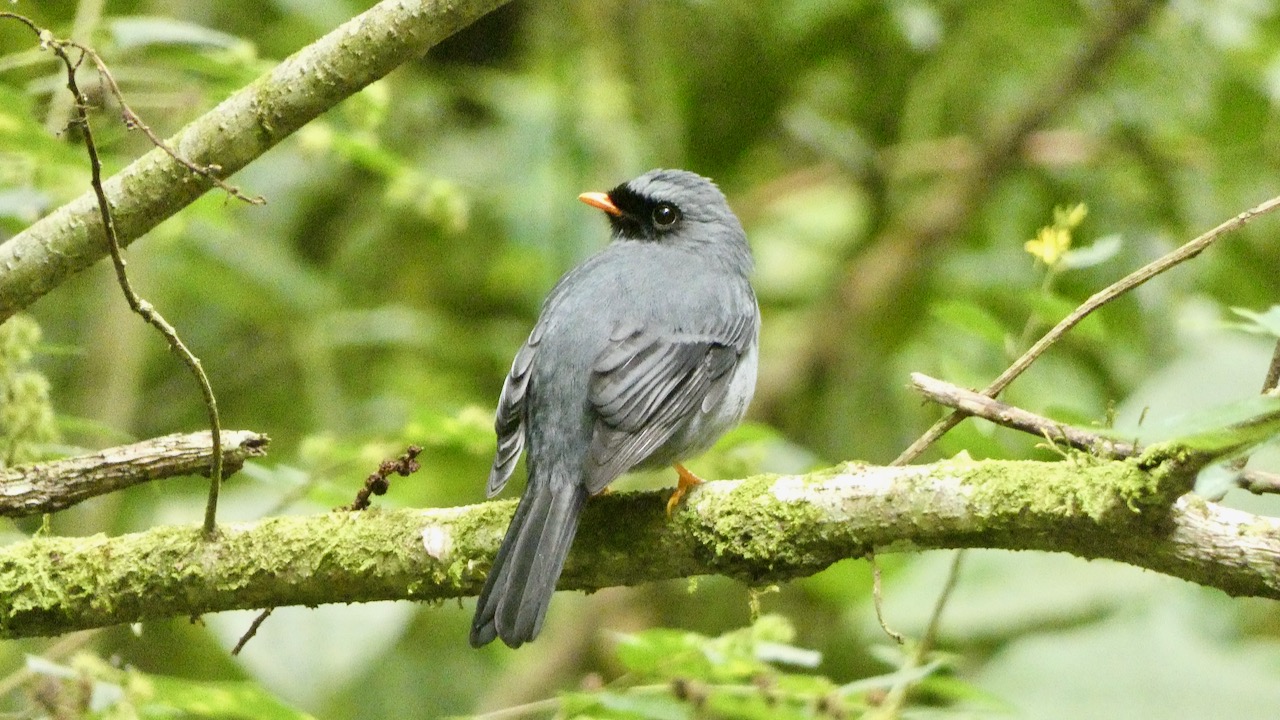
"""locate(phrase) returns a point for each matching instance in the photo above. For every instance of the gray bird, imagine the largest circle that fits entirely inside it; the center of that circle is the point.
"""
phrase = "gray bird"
(642, 356)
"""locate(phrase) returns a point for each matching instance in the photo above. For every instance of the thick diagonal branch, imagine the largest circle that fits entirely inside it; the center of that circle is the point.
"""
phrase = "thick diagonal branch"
(52, 486)
(759, 530)
(230, 136)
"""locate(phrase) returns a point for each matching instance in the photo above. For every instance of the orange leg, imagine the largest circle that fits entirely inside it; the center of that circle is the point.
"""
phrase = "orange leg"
(688, 481)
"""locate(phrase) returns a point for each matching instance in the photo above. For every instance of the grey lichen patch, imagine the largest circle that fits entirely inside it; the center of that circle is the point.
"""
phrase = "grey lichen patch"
(474, 537)
(849, 467)
(1113, 491)
(1259, 527)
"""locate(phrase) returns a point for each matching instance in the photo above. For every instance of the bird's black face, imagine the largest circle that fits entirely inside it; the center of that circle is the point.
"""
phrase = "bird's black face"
(642, 217)
(676, 208)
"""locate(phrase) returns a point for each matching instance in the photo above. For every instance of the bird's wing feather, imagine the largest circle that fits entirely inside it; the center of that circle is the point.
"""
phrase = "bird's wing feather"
(646, 382)
(509, 421)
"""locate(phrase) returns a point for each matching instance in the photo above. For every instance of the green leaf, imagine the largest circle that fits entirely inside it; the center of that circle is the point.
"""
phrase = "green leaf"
(1226, 429)
(1264, 323)
(1102, 250)
(972, 319)
(647, 705)
(164, 697)
(130, 32)
(664, 653)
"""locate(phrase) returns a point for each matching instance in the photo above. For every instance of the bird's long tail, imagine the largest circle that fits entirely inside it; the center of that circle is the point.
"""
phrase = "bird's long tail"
(524, 573)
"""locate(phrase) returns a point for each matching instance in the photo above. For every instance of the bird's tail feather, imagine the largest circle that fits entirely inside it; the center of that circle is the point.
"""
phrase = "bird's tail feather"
(514, 600)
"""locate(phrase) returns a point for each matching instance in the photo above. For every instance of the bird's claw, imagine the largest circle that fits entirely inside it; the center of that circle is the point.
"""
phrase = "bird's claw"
(688, 481)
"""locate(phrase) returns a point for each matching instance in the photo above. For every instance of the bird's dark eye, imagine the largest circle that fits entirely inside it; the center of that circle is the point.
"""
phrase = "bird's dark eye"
(665, 215)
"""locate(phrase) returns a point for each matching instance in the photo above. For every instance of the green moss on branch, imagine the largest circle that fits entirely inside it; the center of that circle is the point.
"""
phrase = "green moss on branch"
(761, 529)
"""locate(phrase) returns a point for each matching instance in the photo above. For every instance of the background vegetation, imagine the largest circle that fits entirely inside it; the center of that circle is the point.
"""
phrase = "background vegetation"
(889, 160)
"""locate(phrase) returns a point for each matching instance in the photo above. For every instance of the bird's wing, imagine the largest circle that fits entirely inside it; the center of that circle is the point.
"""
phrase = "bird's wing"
(647, 381)
(509, 422)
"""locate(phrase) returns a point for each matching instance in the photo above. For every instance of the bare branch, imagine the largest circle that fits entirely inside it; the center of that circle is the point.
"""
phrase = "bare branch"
(1097, 300)
(51, 486)
(969, 402)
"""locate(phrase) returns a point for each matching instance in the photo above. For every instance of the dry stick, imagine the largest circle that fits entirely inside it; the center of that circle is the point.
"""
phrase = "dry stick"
(981, 406)
(136, 303)
(253, 630)
(57, 484)
(1097, 300)
(877, 597)
(987, 408)
(133, 121)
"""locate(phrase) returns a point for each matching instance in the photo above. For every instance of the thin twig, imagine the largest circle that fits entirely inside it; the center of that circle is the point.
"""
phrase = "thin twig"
(253, 630)
(981, 406)
(877, 597)
(898, 694)
(1097, 300)
(136, 303)
(133, 121)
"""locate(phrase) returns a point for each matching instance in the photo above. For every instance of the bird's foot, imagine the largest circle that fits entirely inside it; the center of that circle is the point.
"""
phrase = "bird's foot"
(688, 481)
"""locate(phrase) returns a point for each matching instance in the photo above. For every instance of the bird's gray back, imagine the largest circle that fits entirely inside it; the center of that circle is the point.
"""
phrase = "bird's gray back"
(668, 289)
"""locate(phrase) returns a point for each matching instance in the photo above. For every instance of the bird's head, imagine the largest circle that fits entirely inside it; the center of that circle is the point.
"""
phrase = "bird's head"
(674, 207)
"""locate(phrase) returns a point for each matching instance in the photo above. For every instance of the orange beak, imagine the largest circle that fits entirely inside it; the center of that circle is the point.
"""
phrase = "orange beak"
(602, 201)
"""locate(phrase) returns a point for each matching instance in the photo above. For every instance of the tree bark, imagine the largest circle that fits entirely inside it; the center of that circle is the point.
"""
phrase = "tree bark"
(760, 530)
(52, 486)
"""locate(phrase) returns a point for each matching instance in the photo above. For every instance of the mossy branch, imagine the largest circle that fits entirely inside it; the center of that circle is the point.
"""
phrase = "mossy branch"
(228, 137)
(759, 530)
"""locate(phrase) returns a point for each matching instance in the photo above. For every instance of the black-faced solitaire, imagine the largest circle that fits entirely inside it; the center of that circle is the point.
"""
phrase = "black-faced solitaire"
(642, 356)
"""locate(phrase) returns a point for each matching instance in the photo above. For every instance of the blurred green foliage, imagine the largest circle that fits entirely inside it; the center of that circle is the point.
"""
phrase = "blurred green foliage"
(412, 232)
(26, 414)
